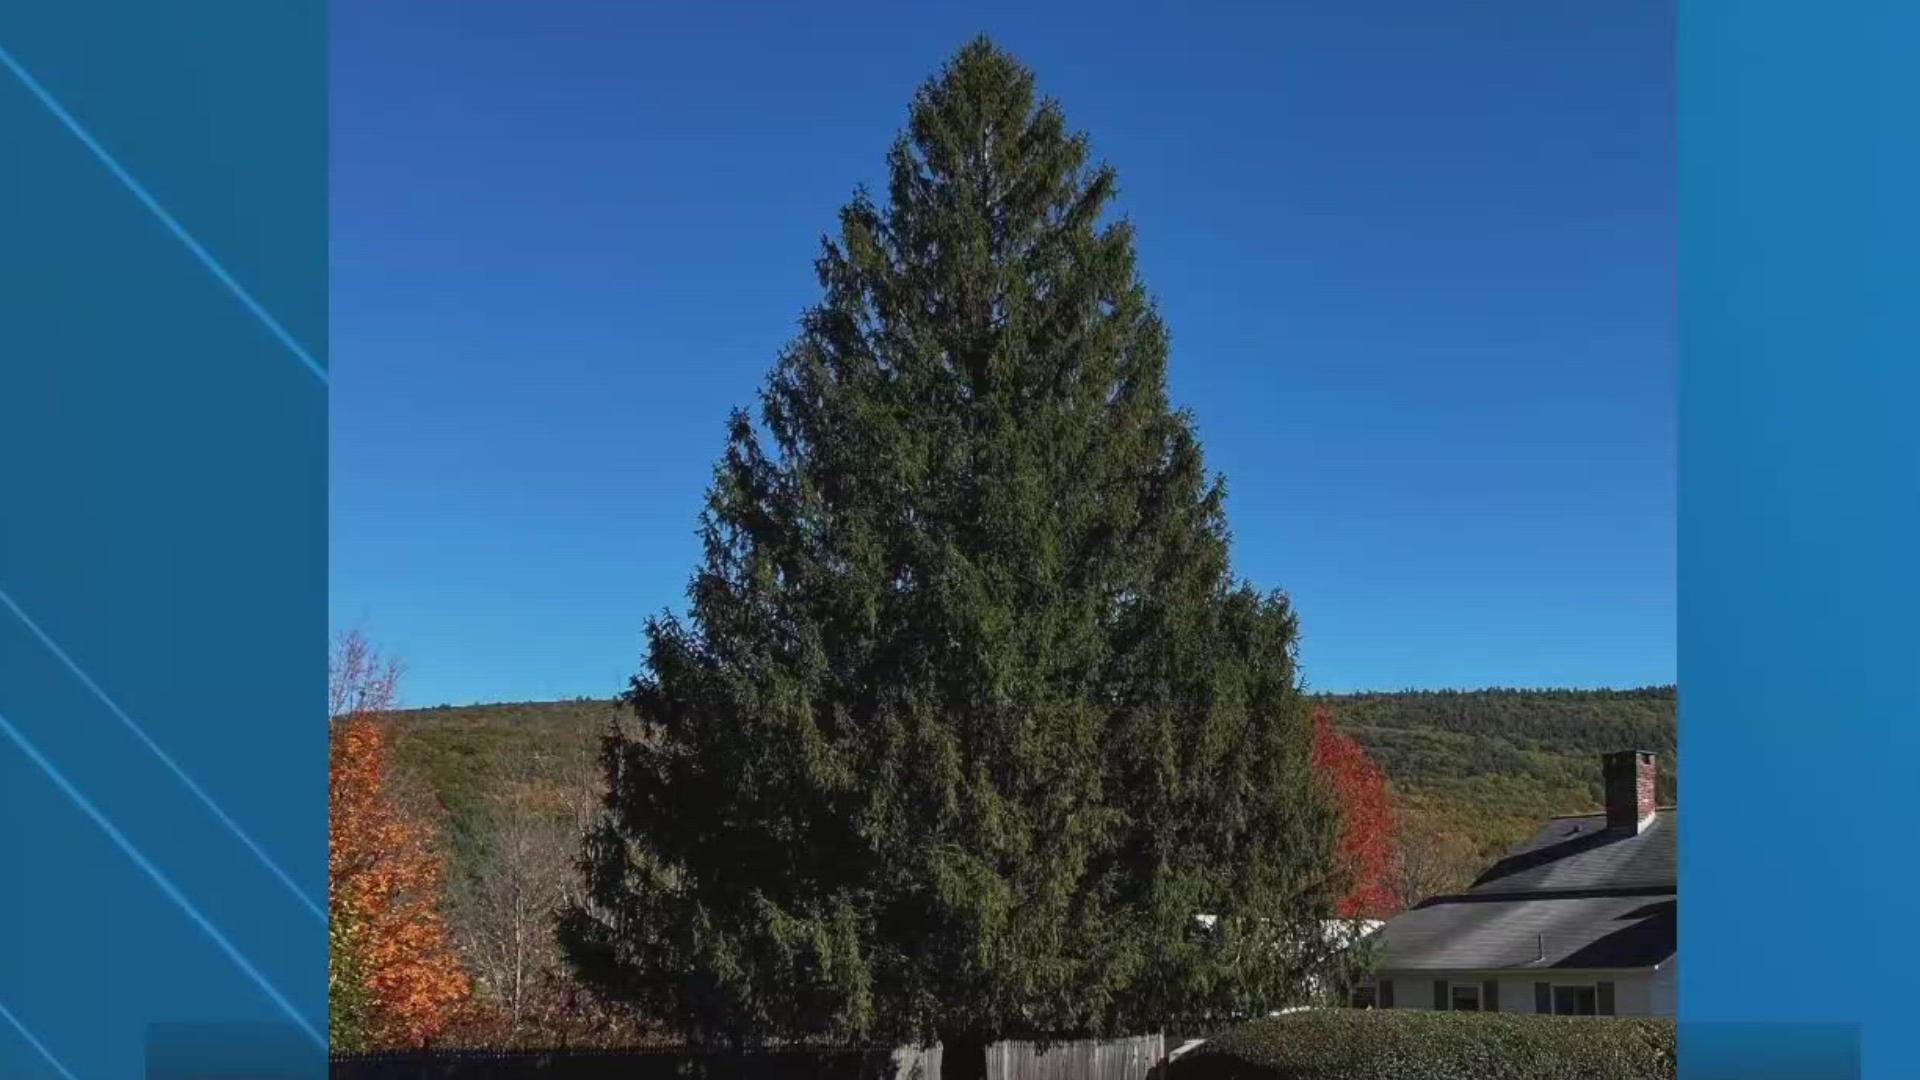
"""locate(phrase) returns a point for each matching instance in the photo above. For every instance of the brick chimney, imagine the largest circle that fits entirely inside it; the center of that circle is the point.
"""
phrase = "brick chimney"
(1628, 777)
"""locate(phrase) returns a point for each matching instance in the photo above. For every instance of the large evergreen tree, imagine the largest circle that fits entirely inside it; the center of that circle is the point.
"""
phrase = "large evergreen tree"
(970, 721)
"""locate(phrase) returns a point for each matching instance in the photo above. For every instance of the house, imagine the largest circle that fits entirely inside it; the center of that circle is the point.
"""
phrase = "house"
(1579, 919)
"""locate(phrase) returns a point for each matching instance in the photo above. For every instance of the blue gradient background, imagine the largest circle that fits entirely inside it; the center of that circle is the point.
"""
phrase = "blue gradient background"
(1799, 537)
(162, 519)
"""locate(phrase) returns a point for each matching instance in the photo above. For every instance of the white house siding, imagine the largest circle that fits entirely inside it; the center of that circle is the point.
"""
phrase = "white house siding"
(1634, 992)
(1661, 988)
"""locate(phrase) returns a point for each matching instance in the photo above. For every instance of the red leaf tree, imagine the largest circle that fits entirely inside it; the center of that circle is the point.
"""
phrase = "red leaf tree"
(1368, 820)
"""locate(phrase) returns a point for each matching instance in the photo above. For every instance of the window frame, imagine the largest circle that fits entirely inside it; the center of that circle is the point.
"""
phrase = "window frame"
(1453, 989)
(1553, 996)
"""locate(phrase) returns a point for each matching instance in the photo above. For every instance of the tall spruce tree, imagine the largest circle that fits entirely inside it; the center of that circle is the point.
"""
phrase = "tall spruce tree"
(969, 722)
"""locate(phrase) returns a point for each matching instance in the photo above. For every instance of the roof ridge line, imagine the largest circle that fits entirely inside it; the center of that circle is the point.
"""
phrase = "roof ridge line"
(1595, 892)
(1603, 813)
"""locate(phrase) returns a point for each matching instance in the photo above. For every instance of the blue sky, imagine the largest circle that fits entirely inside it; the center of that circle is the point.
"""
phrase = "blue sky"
(1417, 259)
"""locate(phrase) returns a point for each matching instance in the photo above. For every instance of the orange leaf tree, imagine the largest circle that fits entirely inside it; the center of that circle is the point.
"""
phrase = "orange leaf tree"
(1368, 821)
(394, 980)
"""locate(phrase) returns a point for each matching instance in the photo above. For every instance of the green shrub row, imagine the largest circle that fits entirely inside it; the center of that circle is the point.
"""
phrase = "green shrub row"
(1387, 1044)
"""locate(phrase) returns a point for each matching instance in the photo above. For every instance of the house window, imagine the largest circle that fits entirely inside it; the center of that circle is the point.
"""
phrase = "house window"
(1464, 997)
(1363, 997)
(1575, 1001)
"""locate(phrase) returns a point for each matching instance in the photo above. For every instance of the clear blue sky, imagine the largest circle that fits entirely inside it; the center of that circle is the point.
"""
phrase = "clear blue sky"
(1417, 259)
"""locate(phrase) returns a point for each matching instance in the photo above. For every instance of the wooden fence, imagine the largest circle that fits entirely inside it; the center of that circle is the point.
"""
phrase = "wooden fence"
(1108, 1059)
(1088, 1059)
(848, 1063)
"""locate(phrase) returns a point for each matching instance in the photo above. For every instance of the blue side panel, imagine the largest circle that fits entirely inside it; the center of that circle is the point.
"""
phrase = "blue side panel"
(163, 426)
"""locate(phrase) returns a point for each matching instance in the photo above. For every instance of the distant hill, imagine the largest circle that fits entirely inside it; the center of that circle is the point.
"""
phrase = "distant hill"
(467, 754)
(1474, 769)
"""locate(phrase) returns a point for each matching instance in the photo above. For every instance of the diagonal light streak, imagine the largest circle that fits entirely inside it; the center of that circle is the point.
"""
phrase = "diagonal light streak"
(159, 879)
(34, 1041)
(153, 205)
(166, 759)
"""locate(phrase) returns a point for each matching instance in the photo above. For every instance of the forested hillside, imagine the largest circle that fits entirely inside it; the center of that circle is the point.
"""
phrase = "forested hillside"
(1553, 735)
(473, 758)
(1476, 770)
(1473, 770)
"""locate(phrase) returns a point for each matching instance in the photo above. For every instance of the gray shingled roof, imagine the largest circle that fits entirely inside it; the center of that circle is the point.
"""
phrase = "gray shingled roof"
(1573, 895)
(1472, 933)
(1578, 853)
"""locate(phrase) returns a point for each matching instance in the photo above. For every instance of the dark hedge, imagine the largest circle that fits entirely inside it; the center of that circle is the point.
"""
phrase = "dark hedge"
(1386, 1044)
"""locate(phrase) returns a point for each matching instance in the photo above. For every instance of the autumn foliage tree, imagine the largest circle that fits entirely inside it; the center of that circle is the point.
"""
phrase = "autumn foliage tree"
(394, 978)
(1368, 822)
